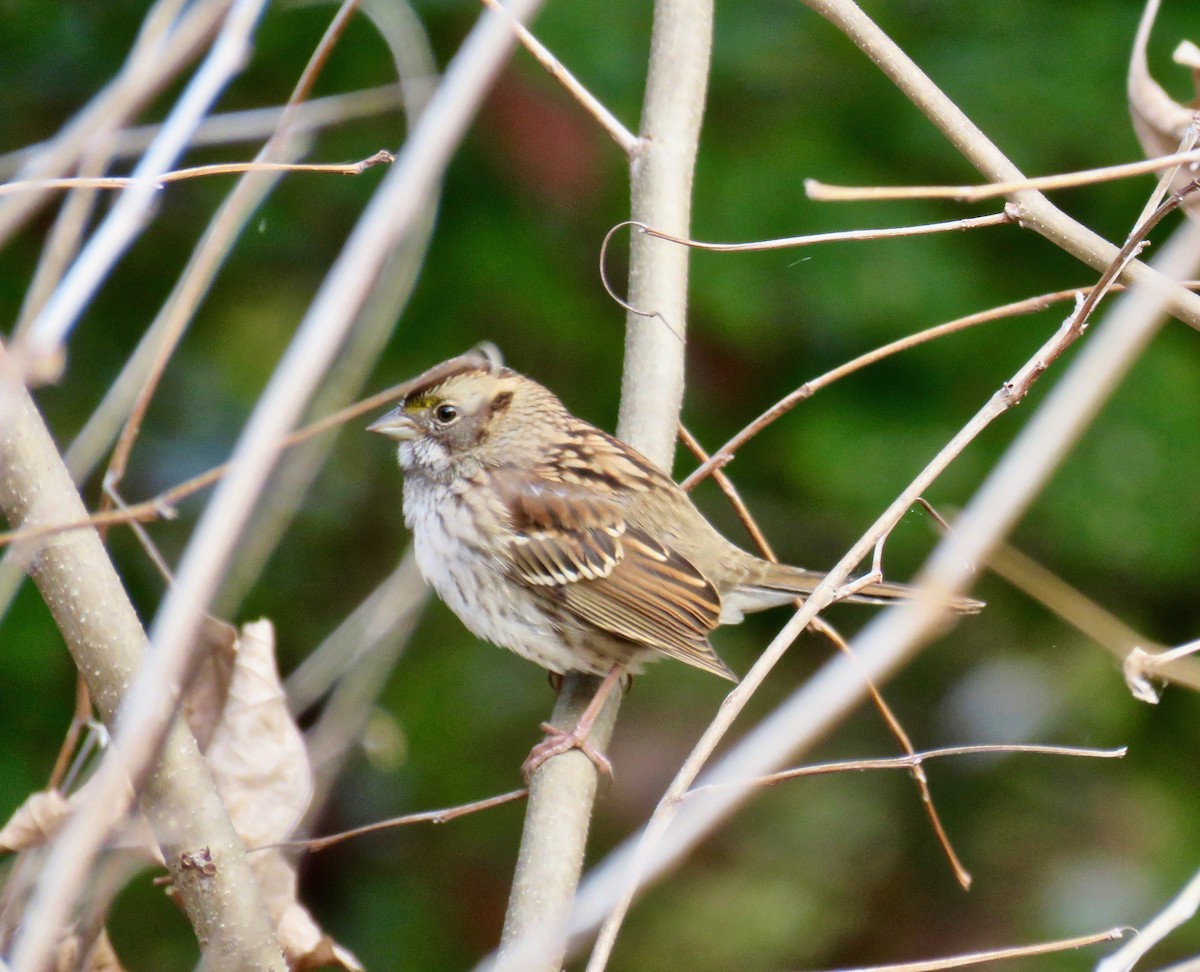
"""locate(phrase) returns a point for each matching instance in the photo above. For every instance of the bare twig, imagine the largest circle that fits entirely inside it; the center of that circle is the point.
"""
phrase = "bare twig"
(998, 954)
(810, 239)
(399, 199)
(250, 125)
(913, 759)
(196, 172)
(1182, 908)
(624, 138)
(315, 844)
(825, 192)
(39, 350)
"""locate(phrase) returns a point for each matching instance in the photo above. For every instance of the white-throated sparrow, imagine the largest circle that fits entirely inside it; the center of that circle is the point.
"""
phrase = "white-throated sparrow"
(552, 538)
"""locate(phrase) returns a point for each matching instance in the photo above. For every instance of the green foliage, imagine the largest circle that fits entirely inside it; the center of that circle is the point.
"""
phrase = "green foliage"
(819, 873)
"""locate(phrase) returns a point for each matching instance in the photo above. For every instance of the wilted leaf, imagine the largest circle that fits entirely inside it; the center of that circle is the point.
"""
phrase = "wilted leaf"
(34, 821)
(256, 752)
(103, 958)
(1160, 122)
(209, 686)
(258, 757)
(300, 937)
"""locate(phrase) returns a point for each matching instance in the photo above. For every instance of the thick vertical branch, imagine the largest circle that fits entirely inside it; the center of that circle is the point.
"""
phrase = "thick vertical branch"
(661, 196)
(400, 198)
(105, 638)
(562, 791)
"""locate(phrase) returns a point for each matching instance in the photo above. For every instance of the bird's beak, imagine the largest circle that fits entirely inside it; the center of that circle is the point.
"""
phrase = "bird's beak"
(397, 424)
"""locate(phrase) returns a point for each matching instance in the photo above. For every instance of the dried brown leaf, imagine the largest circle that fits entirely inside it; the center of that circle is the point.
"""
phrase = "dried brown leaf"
(204, 700)
(236, 705)
(258, 757)
(256, 751)
(34, 821)
(102, 957)
(39, 818)
(1159, 121)
(303, 942)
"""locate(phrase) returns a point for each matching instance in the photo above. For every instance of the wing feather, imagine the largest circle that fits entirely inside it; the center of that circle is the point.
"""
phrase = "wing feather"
(573, 546)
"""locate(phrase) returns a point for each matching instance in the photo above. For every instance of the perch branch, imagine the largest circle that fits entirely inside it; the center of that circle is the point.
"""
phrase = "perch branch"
(661, 168)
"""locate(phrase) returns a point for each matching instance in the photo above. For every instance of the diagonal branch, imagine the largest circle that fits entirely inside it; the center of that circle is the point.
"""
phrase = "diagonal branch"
(399, 199)
(106, 640)
(890, 640)
(1035, 211)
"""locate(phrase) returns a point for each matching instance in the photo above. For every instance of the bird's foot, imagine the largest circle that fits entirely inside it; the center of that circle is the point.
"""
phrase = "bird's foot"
(559, 741)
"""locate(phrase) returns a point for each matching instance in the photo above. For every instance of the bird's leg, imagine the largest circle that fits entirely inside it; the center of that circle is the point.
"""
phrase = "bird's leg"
(562, 740)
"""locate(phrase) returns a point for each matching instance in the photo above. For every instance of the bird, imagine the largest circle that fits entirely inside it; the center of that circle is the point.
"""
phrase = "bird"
(552, 538)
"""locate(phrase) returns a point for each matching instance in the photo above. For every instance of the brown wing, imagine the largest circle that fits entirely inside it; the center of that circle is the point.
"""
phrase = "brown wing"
(573, 545)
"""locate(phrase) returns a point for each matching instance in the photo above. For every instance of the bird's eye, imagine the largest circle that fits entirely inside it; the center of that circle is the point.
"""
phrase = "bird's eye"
(446, 413)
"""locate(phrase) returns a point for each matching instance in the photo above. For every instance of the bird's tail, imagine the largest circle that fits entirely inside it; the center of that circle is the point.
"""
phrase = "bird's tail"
(769, 585)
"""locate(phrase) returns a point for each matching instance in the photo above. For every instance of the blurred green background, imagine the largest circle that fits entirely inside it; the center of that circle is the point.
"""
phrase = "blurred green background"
(820, 873)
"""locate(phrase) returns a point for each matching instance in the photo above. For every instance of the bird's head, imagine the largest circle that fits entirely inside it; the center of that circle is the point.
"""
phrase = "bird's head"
(468, 413)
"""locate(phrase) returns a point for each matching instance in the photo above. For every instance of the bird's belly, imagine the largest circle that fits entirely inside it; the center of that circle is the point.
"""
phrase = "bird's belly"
(470, 580)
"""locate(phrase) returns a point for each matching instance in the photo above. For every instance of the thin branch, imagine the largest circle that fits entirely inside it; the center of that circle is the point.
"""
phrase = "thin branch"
(910, 760)
(39, 350)
(249, 125)
(731, 494)
(315, 844)
(1182, 908)
(625, 139)
(998, 954)
(196, 172)
(825, 192)
(916, 619)
(80, 719)
(399, 199)
(788, 242)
